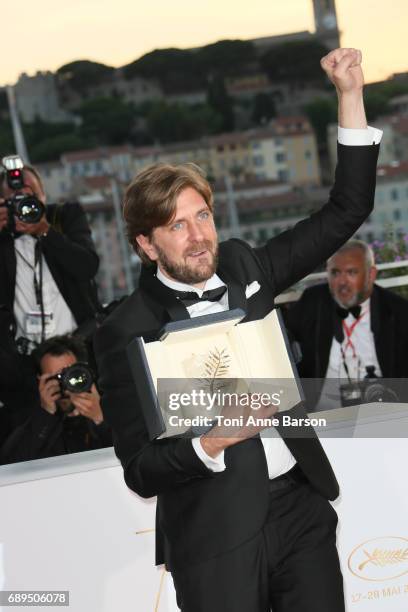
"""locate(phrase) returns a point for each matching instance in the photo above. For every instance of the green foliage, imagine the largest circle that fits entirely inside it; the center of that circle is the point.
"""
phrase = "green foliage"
(6, 139)
(321, 112)
(225, 57)
(376, 104)
(177, 122)
(222, 57)
(106, 121)
(3, 100)
(295, 61)
(263, 108)
(82, 74)
(221, 102)
(394, 247)
(158, 64)
(46, 141)
(50, 149)
(378, 96)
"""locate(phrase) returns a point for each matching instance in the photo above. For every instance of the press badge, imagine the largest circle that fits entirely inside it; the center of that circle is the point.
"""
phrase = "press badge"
(33, 323)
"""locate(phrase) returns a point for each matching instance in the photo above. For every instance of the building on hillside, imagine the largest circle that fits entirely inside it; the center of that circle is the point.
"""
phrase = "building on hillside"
(37, 97)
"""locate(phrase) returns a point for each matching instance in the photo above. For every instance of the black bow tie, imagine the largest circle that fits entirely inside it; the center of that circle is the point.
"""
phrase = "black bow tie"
(191, 297)
(344, 312)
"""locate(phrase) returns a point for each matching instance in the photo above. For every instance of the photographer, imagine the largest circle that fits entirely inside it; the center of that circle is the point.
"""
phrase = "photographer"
(351, 331)
(68, 416)
(58, 248)
(47, 268)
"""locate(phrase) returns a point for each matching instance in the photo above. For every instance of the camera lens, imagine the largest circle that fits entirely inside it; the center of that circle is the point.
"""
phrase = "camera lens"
(29, 209)
(77, 378)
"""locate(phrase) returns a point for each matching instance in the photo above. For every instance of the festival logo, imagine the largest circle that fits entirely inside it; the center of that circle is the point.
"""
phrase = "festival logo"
(380, 559)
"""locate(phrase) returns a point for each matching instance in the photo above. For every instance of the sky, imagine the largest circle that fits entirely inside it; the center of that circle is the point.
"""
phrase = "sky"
(46, 34)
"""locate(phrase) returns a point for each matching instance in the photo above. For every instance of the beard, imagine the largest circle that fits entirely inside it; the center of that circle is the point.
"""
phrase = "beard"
(187, 273)
(358, 297)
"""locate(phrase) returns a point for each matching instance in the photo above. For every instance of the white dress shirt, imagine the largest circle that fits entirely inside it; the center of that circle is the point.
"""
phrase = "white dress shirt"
(278, 456)
(358, 351)
(25, 301)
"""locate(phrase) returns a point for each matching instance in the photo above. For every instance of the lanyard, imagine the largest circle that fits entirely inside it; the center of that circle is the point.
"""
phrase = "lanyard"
(38, 281)
(349, 331)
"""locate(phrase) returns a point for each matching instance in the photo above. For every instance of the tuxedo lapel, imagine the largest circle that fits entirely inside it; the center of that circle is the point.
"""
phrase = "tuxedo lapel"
(236, 291)
(163, 298)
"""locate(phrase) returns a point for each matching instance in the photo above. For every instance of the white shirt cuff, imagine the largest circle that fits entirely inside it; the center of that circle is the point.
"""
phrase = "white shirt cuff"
(215, 464)
(354, 137)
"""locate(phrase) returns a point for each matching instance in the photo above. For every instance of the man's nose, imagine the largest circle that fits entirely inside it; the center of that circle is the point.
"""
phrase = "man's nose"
(196, 232)
(342, 278)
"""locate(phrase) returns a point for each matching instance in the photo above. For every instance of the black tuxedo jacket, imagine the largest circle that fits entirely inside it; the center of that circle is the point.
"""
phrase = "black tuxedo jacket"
(313, 322)
(201, 514)
(70, 254)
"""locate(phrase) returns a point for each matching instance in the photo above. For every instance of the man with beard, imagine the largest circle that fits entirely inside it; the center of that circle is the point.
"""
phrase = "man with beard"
(349, 327)
(243, 523)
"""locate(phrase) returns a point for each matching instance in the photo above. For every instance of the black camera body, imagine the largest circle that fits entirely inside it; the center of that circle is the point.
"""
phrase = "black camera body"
(366, 391)
(76, 378)
(25, 207)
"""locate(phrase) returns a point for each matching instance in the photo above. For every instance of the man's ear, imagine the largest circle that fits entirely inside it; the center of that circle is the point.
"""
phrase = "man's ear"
(146, 244)
(373, 273)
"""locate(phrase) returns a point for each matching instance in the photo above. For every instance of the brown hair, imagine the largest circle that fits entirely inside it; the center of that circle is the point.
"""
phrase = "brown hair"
(150, 199)
(26, 168)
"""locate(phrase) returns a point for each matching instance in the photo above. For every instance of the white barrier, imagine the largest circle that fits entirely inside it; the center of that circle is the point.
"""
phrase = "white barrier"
(70, 523)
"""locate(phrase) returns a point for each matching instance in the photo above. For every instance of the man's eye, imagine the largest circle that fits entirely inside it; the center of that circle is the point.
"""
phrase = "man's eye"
(177, 226)
(204, 215)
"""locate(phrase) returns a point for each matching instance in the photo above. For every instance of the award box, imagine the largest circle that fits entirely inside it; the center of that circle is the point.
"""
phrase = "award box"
(213, 352)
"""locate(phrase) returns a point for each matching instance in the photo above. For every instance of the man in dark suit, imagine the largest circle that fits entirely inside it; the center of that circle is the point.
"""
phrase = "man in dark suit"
(46, 267)
(349, 327)
(243, 523)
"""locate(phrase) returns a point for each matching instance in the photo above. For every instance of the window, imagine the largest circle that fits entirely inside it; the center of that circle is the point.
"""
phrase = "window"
(283, 175)
(280, 157)
(396, 215)
(394, 195)
(258, 161)
(308, 154)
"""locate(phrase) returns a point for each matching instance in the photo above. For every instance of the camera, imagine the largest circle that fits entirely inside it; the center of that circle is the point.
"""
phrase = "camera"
(366, 391)
(26, 207)
(76, 378)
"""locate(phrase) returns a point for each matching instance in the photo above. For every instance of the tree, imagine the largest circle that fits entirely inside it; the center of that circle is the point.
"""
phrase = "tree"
(295, 61)
(50, 149)
(7, 146)
(82, 74)
(376, 104)
(106, 121)
(158, 64)
(221, 102)
(177, 122)
(225, 57)
(263, 109)
(321, 112)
